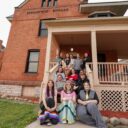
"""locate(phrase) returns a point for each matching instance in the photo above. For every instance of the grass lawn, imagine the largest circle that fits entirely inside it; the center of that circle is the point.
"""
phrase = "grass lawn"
(16, 115)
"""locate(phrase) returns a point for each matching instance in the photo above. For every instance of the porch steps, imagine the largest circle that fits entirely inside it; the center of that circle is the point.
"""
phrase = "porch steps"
(36, 124)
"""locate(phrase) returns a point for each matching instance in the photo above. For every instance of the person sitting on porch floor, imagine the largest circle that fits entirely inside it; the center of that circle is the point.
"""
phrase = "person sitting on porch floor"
(87, 110)
(66, 109)
(48, 105)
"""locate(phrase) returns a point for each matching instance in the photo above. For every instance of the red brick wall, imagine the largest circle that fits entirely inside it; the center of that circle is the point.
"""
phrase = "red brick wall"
(111, 56)
(1, 54)
(24, 36)
(77, 49)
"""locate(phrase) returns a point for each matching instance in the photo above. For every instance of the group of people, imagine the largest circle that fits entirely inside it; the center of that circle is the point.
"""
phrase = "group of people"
(69, 95)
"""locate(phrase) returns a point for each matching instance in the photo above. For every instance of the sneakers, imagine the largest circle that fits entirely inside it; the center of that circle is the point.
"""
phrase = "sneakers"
(49, 124)
(64, 122)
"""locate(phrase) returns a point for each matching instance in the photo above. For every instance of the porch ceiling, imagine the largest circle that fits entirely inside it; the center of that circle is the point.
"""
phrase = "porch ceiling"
(73, 38)
(117, 41)
(110, 40)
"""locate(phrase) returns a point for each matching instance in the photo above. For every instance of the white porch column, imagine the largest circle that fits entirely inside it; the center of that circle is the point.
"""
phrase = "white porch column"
(47, 62)
(94, 57)
(47, 58)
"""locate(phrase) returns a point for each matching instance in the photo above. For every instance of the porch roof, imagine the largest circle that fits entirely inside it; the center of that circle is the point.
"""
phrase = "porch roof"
(111, 33)
(88, 21)
(118, 7)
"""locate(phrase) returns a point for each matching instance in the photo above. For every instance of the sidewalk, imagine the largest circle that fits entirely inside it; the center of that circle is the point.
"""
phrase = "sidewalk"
(36, 124)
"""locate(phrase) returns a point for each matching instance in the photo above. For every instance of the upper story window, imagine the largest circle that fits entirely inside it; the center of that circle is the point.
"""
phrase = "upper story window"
(49, 3)
(43, 31)
(32, 61)
(55, 3)
(43, 3)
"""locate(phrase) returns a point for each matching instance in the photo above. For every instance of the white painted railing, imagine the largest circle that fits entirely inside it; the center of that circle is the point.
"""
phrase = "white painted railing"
(52, 64)
(54, 67)
(111, 72)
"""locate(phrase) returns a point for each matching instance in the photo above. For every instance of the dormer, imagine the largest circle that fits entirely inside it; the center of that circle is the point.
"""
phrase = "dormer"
(101, 14)
(112, 8)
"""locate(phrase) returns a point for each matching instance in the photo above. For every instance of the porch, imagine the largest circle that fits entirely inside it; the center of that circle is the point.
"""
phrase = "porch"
(99, 36)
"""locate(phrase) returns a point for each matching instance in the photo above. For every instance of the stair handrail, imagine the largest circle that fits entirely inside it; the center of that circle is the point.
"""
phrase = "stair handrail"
(52, 70)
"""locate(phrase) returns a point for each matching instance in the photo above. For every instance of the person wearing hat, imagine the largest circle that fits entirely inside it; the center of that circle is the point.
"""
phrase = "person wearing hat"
(66, 109)
(87, 109)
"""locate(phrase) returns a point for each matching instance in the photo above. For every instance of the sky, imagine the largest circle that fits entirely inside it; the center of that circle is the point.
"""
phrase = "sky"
(7, 9)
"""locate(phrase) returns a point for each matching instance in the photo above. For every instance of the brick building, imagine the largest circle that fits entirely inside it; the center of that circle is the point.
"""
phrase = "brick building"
(40, 29)
(1, 53)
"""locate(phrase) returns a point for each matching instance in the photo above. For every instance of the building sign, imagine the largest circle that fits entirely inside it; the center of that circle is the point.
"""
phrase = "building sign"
(37, 12)
(60, 9)
(48, 10)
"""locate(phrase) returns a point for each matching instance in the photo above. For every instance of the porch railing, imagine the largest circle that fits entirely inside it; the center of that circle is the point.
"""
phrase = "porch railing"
(111, 72)
(53, 69)
(52, 64)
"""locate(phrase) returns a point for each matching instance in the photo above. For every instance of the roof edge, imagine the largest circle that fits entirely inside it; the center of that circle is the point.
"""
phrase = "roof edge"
(86, 19)
(10, 18)
(22, 4)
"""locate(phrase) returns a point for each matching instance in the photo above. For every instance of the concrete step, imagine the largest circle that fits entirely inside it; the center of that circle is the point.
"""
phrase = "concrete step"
(36, 124)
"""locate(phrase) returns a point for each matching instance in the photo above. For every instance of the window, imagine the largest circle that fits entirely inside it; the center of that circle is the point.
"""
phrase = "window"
(43, 31)
(43, 3)
(49, 3)
(55, 3)
(32, 61)
(101, 14)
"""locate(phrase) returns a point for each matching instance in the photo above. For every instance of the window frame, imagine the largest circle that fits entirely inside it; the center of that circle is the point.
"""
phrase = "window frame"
(55, 3)
(28, 61)
(49, 3)
(42, 29)
(44, 3)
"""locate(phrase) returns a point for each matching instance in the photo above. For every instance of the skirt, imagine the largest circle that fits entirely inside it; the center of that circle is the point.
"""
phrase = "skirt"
(67, 112)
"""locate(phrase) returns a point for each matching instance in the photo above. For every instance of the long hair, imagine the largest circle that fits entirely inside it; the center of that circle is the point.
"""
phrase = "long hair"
(59, 69)
(68, 82)
(48, 90)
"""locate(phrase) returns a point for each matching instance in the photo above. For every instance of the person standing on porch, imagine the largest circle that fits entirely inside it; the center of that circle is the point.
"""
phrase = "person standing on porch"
(85, 60)
(77, 64)
(67, 60)
(59, 59)
(87, 110)
(71, 61)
